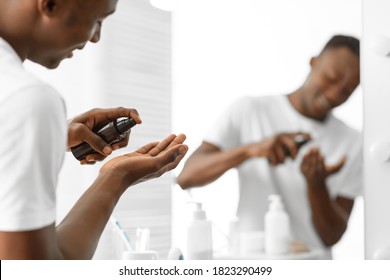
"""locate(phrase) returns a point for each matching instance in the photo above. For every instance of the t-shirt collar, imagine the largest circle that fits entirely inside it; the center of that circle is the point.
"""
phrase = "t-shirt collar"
(329, 118)
(9, 49)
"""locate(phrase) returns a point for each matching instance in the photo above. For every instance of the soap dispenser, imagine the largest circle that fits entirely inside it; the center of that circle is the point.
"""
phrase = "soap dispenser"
(277, 236)
(199, 238)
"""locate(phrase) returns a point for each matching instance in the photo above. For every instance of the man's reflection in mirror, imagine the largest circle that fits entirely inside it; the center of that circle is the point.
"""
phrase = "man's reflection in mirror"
(261, 137)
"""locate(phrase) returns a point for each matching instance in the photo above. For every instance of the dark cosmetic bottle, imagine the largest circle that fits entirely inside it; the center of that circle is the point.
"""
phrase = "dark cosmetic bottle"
(300, 140)
(112, 133)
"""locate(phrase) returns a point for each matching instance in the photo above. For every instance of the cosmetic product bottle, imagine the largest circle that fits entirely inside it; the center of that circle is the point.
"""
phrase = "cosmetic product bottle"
(276, 228)
(234, 236)
(112, 133)
(199, 238)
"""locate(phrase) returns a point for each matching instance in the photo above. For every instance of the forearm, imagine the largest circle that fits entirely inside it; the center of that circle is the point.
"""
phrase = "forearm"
(329, 219)
(201, 169)
(78, 234)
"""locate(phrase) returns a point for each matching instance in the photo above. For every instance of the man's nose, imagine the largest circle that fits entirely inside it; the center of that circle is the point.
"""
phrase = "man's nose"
(96, 36)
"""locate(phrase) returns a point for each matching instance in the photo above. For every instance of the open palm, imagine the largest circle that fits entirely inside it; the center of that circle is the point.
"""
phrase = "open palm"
(148, 162)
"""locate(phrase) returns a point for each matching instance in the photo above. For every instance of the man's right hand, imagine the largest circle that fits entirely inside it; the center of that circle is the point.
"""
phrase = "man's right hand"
(148, 162)
(82, 129)
(278, 147)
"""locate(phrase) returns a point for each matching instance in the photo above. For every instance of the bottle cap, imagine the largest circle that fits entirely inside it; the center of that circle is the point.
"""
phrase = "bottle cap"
(199, 213)
(275, 202)
(124, 125)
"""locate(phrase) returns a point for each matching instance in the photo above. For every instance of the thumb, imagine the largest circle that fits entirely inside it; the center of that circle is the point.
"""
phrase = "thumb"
(332, 169)
(96, 142)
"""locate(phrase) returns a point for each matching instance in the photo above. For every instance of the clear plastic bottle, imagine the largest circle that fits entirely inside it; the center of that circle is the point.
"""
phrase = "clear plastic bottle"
(199, 238)
(277, 236)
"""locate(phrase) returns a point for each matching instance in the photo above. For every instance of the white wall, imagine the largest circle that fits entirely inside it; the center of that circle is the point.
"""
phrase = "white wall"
(224, 49)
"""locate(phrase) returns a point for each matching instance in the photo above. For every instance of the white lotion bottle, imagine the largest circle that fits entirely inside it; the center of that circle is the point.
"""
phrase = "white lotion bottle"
(199, 238)
(277, 235)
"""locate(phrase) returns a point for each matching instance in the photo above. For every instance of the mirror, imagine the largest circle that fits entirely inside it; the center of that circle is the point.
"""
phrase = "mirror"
(227, 49)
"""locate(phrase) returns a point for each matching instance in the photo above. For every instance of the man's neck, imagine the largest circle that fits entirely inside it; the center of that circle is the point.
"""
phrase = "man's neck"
(296, 99)
(16, 25)
(13, 45)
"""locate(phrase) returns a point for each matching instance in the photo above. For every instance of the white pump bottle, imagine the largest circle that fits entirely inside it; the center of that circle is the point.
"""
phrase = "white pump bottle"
(199, 239)
(277, 235)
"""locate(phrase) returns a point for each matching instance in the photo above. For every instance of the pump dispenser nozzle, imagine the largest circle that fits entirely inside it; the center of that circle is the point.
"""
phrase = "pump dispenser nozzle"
(199, 213)
(275, 202)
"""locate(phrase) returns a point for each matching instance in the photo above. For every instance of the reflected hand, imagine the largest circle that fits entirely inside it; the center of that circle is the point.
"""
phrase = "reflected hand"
(148, 162)
(314, 169)
(81, 129)
(279, 147)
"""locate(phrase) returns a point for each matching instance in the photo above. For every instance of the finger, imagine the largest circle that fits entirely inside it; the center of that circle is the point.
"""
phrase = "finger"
(95, 141)
(178, 140)
(85, 162)
(320, 166)
(332, 169)
(171, 158)
(308, 158)
(290, 147)
(313, 151)
(272, 159)
(123, 143)
(314, 157)
(163, 145)
(304, 163)
(95, 157)
(107, 115)
(175, 163)
(145, 149)
(280, 153)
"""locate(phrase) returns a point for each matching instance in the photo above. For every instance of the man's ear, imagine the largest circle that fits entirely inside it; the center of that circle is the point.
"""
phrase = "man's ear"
(48, 7)
(313, 61)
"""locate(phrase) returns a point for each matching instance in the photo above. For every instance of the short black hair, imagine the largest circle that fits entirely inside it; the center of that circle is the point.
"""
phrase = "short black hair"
(350, 42)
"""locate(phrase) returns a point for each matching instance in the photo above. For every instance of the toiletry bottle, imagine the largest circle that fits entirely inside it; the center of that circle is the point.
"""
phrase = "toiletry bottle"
(234, 236)
(276, 228)
(199, 239)
(113, 132)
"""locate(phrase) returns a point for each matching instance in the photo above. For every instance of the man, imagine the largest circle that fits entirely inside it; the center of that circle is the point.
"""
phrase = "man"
(34, 132)
(257, 136)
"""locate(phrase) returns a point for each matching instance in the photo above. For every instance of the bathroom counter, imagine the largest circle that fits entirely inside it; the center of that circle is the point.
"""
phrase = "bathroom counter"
(312, 255)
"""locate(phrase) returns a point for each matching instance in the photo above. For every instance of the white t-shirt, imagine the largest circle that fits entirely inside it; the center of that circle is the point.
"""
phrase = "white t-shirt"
(251, 119)
(33, 133)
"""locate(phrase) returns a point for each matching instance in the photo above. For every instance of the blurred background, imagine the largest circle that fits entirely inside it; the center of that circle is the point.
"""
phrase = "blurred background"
(180, 65)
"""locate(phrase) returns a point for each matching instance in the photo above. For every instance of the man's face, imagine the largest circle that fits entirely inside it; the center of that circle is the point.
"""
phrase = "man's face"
(71, 26)
(333, 78)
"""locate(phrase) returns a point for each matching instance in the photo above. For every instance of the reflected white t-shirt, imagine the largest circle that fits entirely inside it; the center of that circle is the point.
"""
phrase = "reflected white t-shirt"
(33, 135)
(251, 119)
